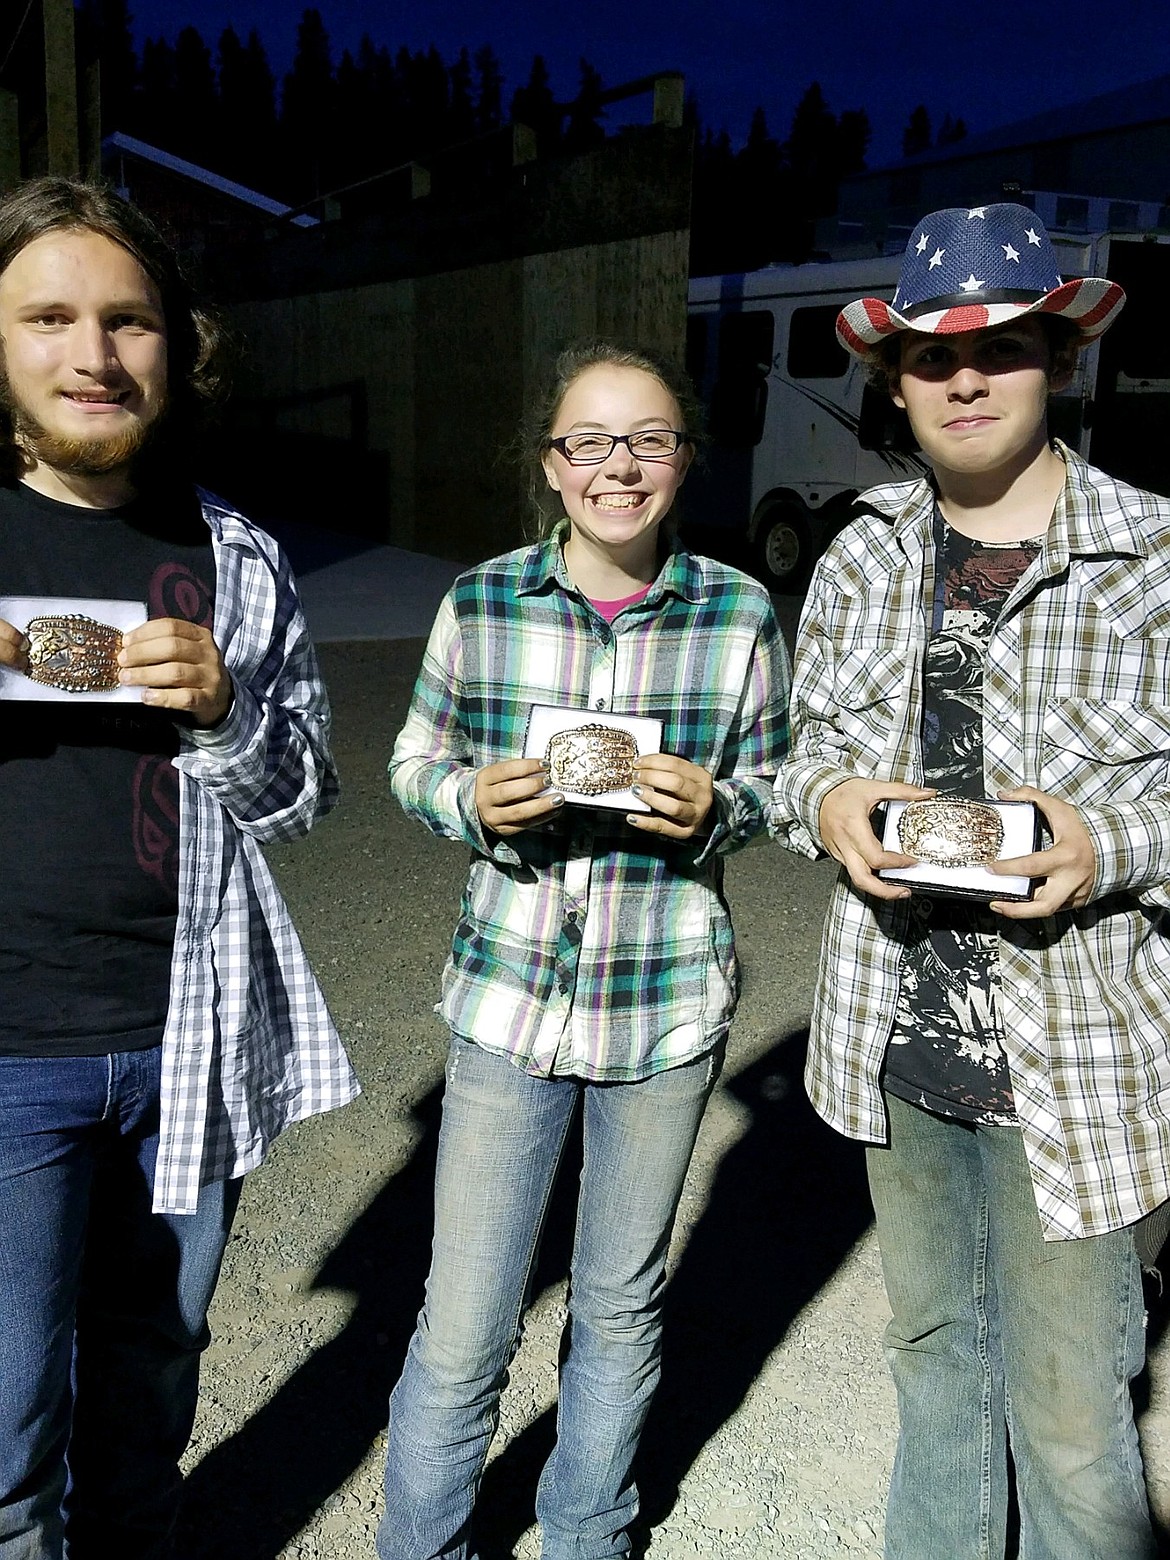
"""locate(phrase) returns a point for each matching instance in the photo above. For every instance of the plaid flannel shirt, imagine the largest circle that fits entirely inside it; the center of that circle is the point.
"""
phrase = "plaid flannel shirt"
(1076, 701)
(249, 1046)
(584, 946)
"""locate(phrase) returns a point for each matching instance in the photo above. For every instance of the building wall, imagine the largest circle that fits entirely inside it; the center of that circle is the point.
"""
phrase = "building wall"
(388, 410)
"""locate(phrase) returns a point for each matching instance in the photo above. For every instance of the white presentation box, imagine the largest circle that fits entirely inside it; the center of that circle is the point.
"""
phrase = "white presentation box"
(591, 754)
(953, 840)
(74, 645)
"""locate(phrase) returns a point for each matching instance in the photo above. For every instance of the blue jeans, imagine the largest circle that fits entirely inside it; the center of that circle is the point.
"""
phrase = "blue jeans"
(997, 1333)
(500, 1145)
(102, 1310)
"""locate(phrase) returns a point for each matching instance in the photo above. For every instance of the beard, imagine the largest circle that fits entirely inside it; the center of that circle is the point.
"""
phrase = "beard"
(76, 457)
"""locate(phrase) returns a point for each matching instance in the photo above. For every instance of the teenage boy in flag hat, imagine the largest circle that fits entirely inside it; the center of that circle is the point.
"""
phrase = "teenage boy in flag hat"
(999, 629)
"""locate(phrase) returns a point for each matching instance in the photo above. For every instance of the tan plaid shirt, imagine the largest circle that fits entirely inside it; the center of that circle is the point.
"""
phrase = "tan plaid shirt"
(1076, 702)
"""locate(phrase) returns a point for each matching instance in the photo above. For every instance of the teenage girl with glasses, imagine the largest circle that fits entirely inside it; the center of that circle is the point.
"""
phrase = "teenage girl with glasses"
(593, 965)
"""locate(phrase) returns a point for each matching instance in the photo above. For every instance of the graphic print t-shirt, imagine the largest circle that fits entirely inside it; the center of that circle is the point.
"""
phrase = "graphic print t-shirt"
(88, 793)
(946, 1053)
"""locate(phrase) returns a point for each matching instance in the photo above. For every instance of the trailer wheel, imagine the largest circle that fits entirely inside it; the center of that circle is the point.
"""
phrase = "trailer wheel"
(782, 548)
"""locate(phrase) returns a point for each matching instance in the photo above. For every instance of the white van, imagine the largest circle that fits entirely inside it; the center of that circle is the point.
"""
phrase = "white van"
(796, 434)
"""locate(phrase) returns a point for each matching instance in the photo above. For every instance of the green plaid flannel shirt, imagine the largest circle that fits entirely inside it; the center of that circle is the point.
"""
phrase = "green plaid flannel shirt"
(1076, 702)
(584, 946)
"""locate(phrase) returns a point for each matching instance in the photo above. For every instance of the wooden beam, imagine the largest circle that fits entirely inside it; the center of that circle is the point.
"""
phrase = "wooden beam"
(61, 89)
(91, 121)
(9, 141)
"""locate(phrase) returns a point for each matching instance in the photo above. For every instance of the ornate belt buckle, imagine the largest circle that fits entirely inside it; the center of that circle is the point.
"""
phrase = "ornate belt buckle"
(73, 652)
(591, 759)
(951, 833)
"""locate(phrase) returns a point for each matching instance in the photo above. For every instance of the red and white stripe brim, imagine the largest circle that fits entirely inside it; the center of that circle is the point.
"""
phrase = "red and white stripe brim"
(1091, 303)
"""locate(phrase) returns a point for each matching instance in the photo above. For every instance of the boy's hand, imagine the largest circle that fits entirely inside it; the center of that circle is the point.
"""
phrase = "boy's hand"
(1068, 866)
(507, 795)
(179, 667)
(681, 794)
(13, 647)
(848, 834)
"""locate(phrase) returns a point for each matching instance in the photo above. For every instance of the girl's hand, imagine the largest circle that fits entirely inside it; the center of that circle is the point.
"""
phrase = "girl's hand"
(681, 794)
(507, 795)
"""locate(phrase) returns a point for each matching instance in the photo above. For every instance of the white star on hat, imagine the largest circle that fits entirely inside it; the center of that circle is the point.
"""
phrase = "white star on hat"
(972, 284)
(1033, 237)
(936, 259)
(1011, 254)
(922, 243)
(977, 211)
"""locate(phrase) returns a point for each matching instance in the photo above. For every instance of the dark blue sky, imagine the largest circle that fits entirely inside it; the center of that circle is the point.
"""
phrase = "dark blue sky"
(990, 62)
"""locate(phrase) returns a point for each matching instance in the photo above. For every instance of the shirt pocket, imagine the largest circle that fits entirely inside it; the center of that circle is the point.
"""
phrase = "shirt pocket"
(867, 694)
(1104, 751)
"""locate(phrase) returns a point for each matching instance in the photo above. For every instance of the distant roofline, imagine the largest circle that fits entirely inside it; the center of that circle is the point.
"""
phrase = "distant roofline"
(1145, 102)
(118, 142)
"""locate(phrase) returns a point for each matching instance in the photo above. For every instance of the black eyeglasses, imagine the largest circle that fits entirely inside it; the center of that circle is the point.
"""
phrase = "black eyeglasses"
(590, 449)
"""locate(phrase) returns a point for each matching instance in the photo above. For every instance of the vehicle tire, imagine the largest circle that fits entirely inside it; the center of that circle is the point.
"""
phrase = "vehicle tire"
(782, 548)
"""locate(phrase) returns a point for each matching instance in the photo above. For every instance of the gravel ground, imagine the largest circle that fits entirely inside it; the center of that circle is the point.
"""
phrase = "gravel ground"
(773, 1430)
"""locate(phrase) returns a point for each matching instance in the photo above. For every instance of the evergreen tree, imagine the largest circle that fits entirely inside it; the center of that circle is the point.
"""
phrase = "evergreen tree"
(950, 131)
(157, 98)
(813, 150)
(717, 217)
(307, 112)
(584, 129)
(916, 137)
(104, 34)
(853, 134)
(387, 130)
(534, 105)
(489, 102)
(192, 131)
(763, 189)
(247, 110)
(431, 102)
(461, 103)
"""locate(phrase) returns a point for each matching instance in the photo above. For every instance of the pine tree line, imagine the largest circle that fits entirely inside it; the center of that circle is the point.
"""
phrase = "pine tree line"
(331, 123)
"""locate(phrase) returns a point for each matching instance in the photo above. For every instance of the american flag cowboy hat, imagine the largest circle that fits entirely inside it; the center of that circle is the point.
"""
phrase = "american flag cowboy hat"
(969, 267)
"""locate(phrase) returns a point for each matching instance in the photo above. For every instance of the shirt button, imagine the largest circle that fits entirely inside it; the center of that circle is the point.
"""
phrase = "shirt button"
(600, 705)
(572, 918)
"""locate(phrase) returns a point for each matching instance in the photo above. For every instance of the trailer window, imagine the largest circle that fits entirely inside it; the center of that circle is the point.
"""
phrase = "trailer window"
(739, 397)
(1072, 213)
(1123, 214)
(813, 349)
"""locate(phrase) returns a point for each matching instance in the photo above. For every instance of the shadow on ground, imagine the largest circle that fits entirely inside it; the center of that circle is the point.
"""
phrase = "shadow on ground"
(787, 1204)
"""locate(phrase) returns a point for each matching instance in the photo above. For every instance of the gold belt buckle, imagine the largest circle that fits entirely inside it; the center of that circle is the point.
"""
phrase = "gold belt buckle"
(951, 833)
(591, 759)
(73, 652)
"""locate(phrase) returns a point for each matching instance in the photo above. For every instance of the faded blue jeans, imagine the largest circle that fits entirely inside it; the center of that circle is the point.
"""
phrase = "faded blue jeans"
(500, 1146)
(998, 1333)
(102, 1310)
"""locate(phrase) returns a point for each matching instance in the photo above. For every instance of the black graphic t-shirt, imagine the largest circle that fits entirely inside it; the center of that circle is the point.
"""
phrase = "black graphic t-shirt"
(947, 1052)
(89, 798)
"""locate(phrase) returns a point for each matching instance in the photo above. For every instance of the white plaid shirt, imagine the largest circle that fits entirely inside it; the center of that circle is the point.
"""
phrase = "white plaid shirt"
(249, 1046)
(1076, 702)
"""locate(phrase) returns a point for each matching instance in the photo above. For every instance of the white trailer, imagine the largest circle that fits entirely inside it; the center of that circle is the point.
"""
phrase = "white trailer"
(796, 434)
